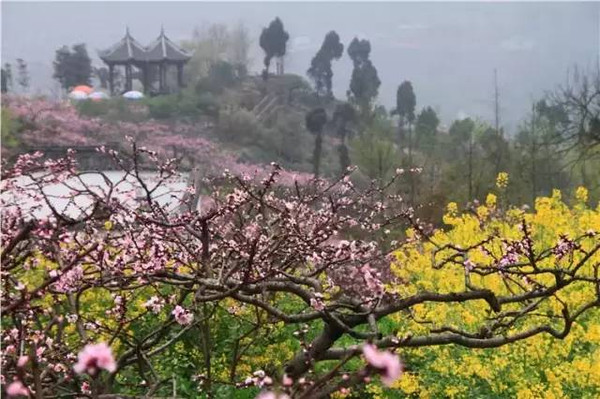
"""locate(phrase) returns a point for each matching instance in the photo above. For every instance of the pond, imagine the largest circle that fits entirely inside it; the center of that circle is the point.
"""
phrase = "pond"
(75, 196)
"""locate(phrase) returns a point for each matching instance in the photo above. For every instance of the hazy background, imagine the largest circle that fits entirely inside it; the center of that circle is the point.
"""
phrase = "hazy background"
(448, 50)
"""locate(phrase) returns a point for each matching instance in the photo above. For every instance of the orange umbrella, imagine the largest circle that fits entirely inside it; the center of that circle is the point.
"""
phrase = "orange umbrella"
(83, 88)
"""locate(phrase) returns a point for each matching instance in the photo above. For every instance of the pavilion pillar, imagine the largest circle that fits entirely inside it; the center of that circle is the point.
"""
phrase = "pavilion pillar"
(180, 75)
(111, 85)
(145, 77)
(128, 77)
(165, 70)
(164, 77)
(161, 77)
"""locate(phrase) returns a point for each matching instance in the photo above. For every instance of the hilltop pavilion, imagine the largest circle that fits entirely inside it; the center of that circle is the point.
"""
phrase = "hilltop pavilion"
(151, 61)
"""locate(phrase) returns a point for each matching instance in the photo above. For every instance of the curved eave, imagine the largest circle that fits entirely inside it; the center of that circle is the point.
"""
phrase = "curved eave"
(164, 50)
(126, 50)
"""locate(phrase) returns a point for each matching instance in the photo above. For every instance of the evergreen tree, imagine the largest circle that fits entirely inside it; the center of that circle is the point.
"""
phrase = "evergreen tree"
(4, 84)
(273, 41)
(462, 151)
(374, 151)
(73, 66)
(343, 115)
(320, 67)
(364, 84)
(406, 102)
(8, 76)
(426, 129)
(23, 74)
(315, 121)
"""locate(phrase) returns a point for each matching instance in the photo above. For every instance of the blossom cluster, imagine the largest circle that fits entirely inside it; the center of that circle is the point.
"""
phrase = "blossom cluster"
(240, 264)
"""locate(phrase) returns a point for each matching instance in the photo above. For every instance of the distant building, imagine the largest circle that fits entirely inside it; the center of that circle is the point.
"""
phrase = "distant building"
(151, 63)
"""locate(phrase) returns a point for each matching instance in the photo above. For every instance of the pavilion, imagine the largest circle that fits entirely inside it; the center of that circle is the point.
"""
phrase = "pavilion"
(157, 57)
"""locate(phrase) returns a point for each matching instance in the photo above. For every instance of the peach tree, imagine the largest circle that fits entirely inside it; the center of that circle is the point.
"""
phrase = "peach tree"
(241, 286)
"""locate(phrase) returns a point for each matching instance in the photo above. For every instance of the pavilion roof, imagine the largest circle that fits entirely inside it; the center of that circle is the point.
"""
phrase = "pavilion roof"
(163, 49)
(126, 50)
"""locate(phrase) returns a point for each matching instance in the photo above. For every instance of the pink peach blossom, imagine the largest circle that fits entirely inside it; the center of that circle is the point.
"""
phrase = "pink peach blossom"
(287, 381)
(16, 388)
(182, 316)
(22, 361)
(95, 357)
(85, 388)
(272, 395)
(387, 363)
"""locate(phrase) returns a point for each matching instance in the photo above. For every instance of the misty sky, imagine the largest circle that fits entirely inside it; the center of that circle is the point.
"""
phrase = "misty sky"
(448, 50)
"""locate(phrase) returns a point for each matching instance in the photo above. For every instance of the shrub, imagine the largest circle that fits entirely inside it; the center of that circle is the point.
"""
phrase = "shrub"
(10, 127)
(288, 139)
(208, 104)
(184, 104)
(238, 125)
(93, 109)
(163, 107)
(221, 75)
(113, 109)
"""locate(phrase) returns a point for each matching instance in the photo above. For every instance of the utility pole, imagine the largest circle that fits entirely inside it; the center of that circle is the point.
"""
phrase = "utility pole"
(533, 156)
(471, 144)
(496, 103)
(499, 134)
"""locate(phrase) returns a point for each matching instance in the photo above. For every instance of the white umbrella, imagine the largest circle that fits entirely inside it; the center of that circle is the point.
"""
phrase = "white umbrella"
(133, 95)
(78, 95)
(98, 95)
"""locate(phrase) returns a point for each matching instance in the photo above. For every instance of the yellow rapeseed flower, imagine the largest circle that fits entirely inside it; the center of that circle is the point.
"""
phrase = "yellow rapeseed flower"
(502, 180)
(491, 200)
(581, 194)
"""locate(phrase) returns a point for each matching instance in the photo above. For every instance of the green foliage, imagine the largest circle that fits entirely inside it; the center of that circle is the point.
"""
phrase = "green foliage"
(113, 109)
(364, 83)
(273, 41)
(284, 139)
(374, 150)
(457, 166)
(7, 78)
(426, 129)
(315, 121)
(359, 50)
(10, 128)
(288, 86)
(4, 84)
(214, 43)
(208, 104)
(93, 109)
(287, 140)
(343, 116)
(162, 107)
(22, 74)
(539, 164)
(221, 75)
(186, 104)
(461, 131)
(320, 67)
(72, 67)
(406, 102)
(237, 125)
